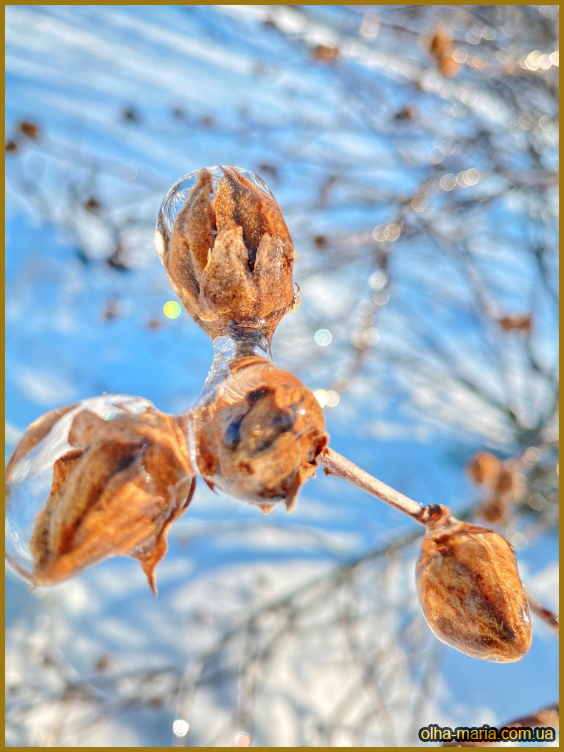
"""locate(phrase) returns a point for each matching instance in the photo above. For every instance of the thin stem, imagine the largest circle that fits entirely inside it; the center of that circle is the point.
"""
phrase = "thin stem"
(545, 614)
(336, 464)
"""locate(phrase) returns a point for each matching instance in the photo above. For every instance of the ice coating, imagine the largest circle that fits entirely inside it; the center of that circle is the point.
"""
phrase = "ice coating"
(258, 432)
(108, 476)
(101, 478)
(470, 591)
(227, 251)
(177, 196)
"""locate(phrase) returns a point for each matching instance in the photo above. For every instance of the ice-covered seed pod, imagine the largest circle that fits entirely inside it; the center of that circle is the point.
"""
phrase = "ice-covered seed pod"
(470, 591)
(227, 250)
(101, 478)
(258, 433)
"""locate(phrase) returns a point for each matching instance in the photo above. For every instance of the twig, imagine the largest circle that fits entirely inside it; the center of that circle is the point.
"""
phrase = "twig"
(336, 464)
(545, 614)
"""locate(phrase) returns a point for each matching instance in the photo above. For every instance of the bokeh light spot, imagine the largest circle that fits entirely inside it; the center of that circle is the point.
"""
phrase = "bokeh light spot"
(333, 398)
(378, 280)
(180, 727)
(242, 739)
(172, 309)
(392, 232)
(448, 182)
(321, 396)
(419, 203)
(371, 337)
(323, 337)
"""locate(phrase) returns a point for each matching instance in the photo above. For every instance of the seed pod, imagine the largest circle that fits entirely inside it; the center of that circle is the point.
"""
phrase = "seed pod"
(441, 48)
(484, 469)
(500, 479)
(516, 322)
(29, 129)
(259, 433)
(227, 250)
(494, 508)
(469, 589)
(507, 490)
(119, 476)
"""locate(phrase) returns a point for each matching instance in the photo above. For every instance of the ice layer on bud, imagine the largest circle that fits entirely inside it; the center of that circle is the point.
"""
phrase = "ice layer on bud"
(96, 479)
(258, 432)
(470, 591)
(227, 250)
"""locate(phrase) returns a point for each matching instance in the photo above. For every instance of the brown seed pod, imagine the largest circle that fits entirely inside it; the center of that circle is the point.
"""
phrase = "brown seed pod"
(484, 469)
(29, 129)
(507, 490)
(494, 508)
(501, 481)
(325, 54)
(120, 481)
(227, 250)
(259, 433)
(441, 48)
(516, 322)
(470, 591)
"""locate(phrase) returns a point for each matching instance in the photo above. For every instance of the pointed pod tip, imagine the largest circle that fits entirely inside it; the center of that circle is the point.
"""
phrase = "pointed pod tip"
(149, 566)
(210, 485)
(152, 579)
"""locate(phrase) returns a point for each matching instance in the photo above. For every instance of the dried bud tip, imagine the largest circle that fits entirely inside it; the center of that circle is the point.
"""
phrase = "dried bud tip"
(436, 515)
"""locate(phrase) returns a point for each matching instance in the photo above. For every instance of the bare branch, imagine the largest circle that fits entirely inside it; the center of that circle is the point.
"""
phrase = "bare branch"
(545, 614)
(336, 464)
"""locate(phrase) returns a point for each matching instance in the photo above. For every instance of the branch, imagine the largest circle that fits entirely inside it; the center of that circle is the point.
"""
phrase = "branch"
(336, 464)
(545, 614)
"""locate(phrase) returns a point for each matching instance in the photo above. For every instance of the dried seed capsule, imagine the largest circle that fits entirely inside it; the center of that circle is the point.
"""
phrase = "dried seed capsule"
(484, 469)
(501, 480)
(469, 589)
(494, 508)
(441, 48)
(103, 478)
(259, 432)
(507, 489)
(227, 250)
